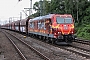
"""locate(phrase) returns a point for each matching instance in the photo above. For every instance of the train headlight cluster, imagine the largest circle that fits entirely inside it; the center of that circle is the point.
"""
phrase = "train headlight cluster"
(59, 32)
(55, 33)
(72, 32)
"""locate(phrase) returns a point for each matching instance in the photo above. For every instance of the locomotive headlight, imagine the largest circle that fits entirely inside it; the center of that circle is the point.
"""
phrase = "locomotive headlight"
(72, 32)
(59, 32)
(55, 34)
(55, 37)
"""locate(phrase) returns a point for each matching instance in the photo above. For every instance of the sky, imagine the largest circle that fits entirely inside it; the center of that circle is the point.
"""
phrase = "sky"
(12, 8)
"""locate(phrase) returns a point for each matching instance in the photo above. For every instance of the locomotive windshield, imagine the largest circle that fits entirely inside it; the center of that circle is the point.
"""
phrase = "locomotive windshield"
(63, 20)
(68, 20)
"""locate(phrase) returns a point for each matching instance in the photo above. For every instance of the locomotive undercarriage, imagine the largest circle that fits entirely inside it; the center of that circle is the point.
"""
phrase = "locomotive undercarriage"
(65, 39)
(62, 39)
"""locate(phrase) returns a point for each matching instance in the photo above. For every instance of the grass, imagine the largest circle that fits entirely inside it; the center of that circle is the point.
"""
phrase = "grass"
(83, 32)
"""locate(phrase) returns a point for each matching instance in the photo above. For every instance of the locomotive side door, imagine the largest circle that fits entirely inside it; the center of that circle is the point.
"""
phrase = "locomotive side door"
(48, 24)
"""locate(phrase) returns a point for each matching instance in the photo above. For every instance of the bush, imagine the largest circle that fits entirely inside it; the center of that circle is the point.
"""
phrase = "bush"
(83, 32)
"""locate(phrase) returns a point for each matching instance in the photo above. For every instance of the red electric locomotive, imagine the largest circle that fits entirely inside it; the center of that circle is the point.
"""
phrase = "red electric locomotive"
(53, 28)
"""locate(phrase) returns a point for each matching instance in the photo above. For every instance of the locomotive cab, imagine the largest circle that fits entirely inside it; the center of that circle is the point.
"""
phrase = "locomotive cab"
(52, 28)
(63, 28)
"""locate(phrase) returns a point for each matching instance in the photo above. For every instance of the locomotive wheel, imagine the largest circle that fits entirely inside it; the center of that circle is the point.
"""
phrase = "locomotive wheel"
(53, 41)
(40, 37)
(44, 38)
(47, 40)
(32, 35)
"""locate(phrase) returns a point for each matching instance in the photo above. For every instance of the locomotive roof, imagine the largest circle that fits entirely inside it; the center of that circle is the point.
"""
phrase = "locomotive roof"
(43, 17)
(47, 16)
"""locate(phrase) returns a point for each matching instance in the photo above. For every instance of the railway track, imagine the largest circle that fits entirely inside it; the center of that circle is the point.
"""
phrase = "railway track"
(87, 42)
(25, 47)
(81, 51)
(75, 49)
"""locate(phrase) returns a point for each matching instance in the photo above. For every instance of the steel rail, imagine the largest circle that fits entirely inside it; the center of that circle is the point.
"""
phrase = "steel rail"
(76, 52)
(18, 50)
(40, 54)
(80, 48)
(87, 42)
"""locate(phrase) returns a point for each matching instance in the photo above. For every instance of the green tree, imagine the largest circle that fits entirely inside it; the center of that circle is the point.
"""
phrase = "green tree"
(57, 6)
(83, 10)
(66, 7)
(36, 7)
